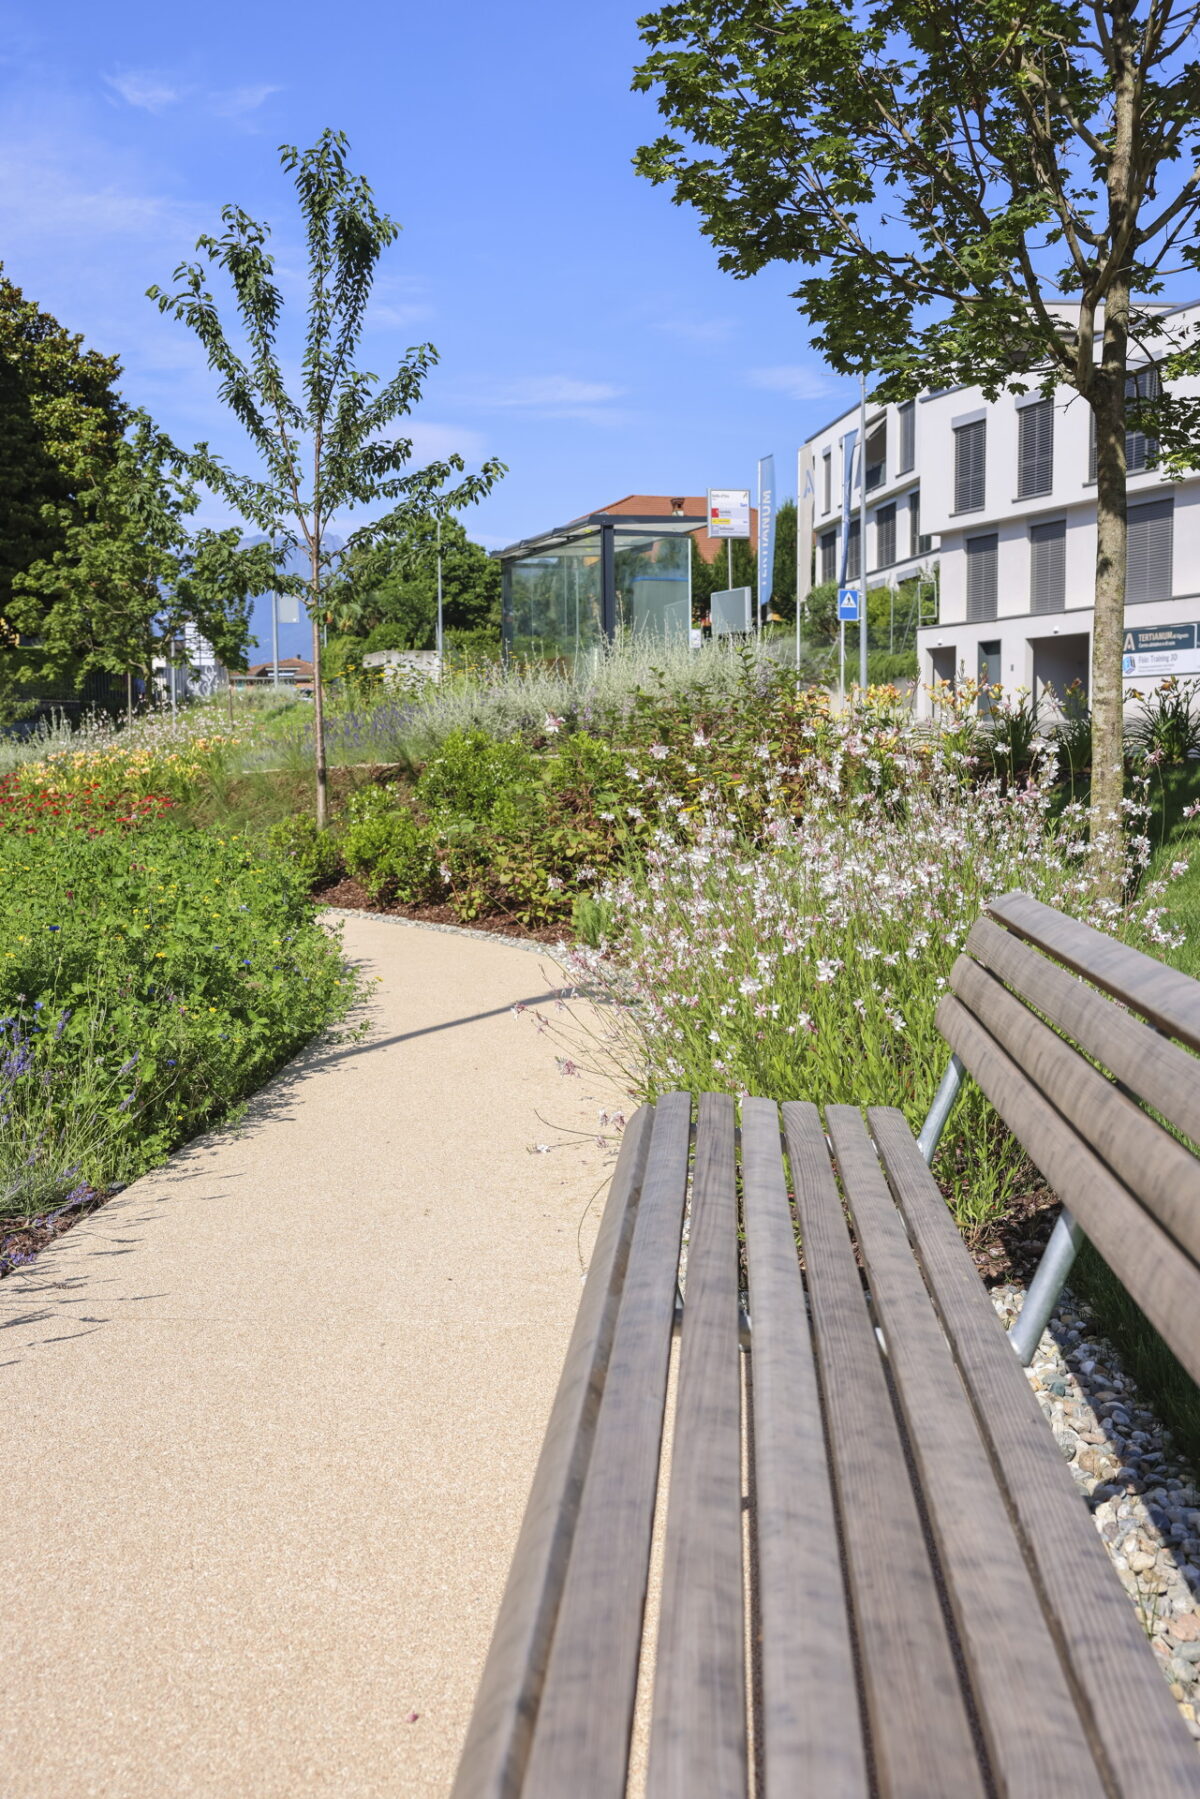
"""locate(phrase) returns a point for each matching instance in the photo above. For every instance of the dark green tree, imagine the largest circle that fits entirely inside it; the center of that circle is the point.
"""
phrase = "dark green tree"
(323, 449)
(126, 574)
(986, 194)
(60, 418)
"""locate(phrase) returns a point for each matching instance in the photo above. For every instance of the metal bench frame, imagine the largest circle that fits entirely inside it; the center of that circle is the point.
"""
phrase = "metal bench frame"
(918, 1605)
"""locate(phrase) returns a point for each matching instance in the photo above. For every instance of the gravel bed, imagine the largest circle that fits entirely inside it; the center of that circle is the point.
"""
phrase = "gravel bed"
(1143, 1498)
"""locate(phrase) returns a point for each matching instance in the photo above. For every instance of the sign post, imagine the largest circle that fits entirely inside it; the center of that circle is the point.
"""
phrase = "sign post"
(729, 517)
(849, 612)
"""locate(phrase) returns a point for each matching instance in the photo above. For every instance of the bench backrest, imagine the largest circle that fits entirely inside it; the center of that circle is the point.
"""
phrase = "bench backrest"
(1085, 1047)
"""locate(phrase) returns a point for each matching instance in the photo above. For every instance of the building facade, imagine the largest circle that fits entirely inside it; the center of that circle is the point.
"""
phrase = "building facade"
(1002, 496)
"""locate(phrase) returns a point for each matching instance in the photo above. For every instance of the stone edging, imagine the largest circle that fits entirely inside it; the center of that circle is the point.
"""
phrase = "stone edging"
(453, 930)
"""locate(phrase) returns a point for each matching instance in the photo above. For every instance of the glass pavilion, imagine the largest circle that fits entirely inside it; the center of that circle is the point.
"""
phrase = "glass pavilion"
(601, 578)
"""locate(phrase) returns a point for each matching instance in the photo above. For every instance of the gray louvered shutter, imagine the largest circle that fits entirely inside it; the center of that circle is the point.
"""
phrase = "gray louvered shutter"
(982, 557)
(970, 465)
(908, 436)
(1035, 460)
(829, 556)
(1048, 566)
(1149, 572)
(853, 547)
(885, 535)
(1141, 452)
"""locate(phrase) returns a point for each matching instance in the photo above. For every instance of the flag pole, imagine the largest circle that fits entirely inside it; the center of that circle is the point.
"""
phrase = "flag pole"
(862, 528)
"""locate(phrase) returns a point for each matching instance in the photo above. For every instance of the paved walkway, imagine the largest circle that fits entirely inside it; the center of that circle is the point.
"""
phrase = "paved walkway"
(271, 1416)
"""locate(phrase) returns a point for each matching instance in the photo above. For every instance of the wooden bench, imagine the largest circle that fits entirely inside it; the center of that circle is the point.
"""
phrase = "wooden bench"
(877, 1573)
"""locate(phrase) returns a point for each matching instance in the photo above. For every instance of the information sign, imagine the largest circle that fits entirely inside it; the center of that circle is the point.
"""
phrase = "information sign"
(729, 512)
(1155, 651)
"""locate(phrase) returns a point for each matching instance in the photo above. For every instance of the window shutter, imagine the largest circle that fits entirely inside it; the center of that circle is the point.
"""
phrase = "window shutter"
(829, 556)
(853, 558)
(827, 466)
(1141, 452)
(1048, 566)
(970, 461)
(885, 535)
(1035, 459)
(1091, 446)
(981, 577)
(915, 546)
(907, 415)
(1149, 572)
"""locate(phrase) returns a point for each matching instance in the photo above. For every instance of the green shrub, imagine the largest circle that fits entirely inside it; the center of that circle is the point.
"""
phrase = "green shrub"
(315, 853)
(472, 773)
(392, 852)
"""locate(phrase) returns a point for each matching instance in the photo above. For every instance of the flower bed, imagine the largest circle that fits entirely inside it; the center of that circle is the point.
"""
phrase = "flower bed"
(150, 978)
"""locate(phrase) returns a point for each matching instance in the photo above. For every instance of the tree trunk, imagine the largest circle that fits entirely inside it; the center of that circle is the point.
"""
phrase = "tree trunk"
(318, 700)
(1108, 630)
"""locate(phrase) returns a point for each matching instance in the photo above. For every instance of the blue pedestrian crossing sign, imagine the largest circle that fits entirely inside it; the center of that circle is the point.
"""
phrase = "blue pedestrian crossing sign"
(849, 600)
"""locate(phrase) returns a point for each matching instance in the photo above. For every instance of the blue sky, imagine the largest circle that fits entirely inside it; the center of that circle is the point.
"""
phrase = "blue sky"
(587, 336)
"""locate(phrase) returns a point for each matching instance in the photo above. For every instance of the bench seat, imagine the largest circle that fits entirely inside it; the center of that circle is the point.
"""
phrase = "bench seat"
(878, 1575)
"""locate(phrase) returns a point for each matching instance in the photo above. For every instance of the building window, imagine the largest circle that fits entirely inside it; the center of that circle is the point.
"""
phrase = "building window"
(1035, 457)
(982, 554)
(907, 415)
(827, 479)
(970, 465)
(1149, 574)
(829, 551)
(853, 559)
(1141, 452)
(918, 544)
(877, 456)
(1048, 566)
(885, 535)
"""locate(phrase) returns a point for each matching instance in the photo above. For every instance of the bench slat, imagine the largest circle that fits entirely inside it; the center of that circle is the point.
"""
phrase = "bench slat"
(921, 1739)
(1166, 1076)
(812, 1732)
(1167, 998)
(497, 1741)
(1156, 1273)
(1160, 1170)
(698, 1724)
(1126, 1700)
(1027, 1709)
(581, 1743)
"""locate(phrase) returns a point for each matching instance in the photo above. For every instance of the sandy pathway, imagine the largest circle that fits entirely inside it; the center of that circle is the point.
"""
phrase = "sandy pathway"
(271, 1416)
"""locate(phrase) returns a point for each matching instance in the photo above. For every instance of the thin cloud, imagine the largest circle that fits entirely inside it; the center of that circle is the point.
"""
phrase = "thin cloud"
(147, 89)
(237, 102)
(695, 331)
(798, 380)
(549, 390)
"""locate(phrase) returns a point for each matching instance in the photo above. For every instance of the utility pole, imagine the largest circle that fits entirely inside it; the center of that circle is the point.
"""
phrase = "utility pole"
(439, 594)
(862, 529)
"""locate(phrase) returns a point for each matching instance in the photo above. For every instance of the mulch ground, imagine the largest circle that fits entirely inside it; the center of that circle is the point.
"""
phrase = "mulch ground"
(1011, 1249)
(20, 1241)
(349, 894)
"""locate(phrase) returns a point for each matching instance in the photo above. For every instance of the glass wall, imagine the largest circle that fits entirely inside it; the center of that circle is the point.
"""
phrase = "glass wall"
(556, 601)
(654, 587)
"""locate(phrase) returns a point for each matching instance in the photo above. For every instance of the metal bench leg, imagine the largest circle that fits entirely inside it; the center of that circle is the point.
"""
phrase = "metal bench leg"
(940, 1110)
(1045, 1287)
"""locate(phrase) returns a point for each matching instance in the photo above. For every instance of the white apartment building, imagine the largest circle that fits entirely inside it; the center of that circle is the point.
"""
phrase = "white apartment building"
(1002, 496)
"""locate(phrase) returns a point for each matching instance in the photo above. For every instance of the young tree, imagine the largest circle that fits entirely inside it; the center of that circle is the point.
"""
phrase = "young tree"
(986, 194)
(322, 449)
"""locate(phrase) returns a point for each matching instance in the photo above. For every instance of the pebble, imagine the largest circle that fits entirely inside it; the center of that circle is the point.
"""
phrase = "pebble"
(1143, 1498)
